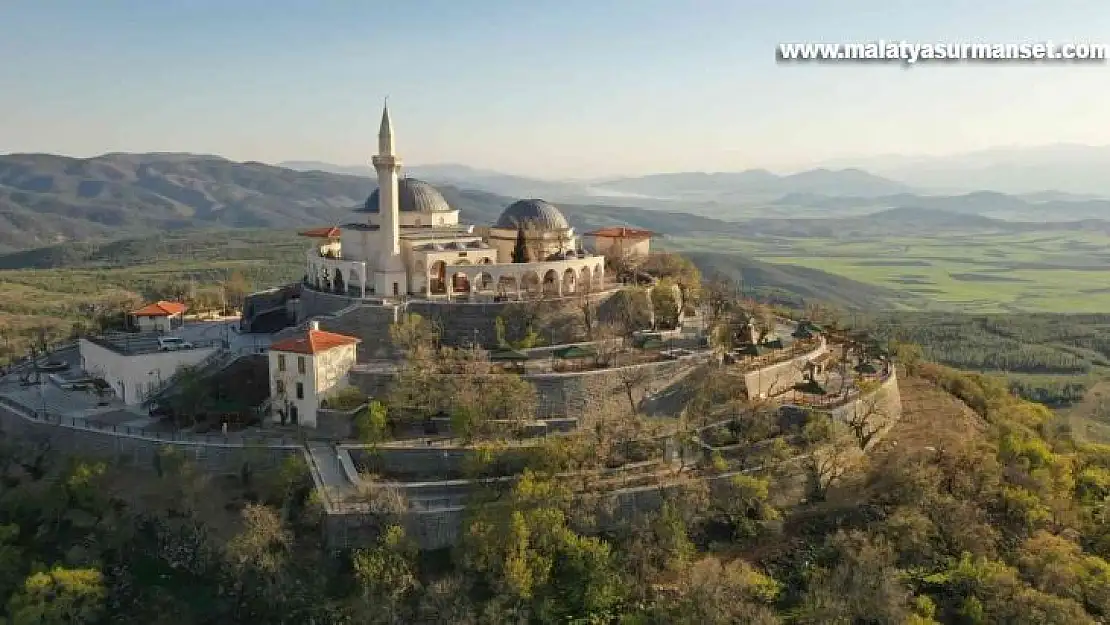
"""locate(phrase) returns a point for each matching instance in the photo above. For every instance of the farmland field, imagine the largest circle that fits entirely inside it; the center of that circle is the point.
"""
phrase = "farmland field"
(982, 272)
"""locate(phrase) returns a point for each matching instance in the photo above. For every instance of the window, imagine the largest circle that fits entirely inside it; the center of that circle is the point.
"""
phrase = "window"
(300, 365)
(281, 362)
(300, 390)
(279, 385)
(396, 289)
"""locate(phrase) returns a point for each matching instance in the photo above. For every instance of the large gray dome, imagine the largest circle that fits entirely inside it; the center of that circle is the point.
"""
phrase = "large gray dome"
(413, 196)
(533, 214)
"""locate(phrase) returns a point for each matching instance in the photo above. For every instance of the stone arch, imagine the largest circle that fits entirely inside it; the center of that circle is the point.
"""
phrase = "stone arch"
(462, 261)
(483, 281)
(339, 285)
(486, 261)
(551, 282)
(597, 273)
(530, 283)
(570, 280)
(460, 283)
(507, 285)
(584, 277)
(353, 279)
(437, 278)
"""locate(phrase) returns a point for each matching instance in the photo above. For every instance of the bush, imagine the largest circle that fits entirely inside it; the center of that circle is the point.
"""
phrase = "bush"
(347, 398)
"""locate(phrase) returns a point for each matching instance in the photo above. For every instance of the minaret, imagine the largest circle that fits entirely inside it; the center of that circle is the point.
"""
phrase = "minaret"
(388, 166)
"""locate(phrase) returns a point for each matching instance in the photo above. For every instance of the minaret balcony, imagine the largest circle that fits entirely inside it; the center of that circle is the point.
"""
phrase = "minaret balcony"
(386, 160)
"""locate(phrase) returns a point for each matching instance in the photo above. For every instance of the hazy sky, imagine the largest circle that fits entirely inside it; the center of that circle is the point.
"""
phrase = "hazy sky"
(541, 87)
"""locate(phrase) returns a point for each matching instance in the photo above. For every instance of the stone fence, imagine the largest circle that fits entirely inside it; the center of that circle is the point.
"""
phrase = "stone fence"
(214, 453)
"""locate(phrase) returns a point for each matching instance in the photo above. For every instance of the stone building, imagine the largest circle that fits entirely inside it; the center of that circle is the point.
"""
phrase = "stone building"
(408, 243)
(305, 370)
(160, 316)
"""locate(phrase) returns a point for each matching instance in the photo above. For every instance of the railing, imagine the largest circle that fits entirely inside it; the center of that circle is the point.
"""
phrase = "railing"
(219, 356)
(231, 439)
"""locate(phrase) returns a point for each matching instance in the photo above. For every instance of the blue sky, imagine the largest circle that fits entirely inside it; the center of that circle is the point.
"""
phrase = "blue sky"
(541, 87)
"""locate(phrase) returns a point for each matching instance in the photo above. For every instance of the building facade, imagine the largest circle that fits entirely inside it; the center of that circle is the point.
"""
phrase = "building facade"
(134, 366)
(409, 243)
(305, 371)
(161, 316)
(620, 243)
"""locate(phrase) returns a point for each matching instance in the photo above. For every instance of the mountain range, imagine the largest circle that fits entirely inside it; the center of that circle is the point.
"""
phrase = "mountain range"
(1071, 168)
(47, 199)
(680, 186)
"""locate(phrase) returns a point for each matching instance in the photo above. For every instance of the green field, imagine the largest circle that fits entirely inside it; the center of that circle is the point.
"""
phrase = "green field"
(981, 272)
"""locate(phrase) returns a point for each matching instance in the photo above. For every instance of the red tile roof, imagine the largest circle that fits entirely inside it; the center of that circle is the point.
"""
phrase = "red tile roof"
(314, 342)
(161, 309)
(329, 232)
(621, 232)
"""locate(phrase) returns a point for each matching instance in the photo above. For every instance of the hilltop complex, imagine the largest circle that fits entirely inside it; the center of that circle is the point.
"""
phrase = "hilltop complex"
(410, 243)
(412, 340)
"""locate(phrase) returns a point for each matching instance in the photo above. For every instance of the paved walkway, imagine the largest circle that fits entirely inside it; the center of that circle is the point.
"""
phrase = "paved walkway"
(329, 470)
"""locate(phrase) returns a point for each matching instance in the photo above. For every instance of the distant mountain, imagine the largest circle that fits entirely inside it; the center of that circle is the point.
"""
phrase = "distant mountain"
(1067, 168)
(466, 177)
(755, 183)
(47, 199)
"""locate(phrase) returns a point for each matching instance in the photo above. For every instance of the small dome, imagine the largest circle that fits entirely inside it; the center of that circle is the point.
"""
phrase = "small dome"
(536, 214)
(413, 196)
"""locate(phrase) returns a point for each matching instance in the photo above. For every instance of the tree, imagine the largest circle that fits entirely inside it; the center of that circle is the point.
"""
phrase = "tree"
(520, 249)
(633, 378)
(371, 423)
(828, 453)
(415, 337)
(59, 597)
(258, 560)
(665, 305)
(679, 269)
(235, 290)
(868, 415)
(385, 574)
(587, 306)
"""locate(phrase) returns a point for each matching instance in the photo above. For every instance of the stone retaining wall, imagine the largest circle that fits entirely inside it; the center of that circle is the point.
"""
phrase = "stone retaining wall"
(581, 395)
(439, 528)
(781, 376)
(139, 451)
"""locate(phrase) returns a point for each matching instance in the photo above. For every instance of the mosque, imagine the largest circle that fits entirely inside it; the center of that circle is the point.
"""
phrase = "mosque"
(409, 243)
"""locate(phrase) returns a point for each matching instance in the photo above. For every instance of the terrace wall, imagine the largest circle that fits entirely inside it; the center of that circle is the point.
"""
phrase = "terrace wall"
(139, 450)
(581, 395)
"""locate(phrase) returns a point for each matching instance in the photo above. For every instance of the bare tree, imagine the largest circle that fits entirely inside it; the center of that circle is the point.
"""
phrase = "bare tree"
(830, 450)
(868, 416)
(632, 379)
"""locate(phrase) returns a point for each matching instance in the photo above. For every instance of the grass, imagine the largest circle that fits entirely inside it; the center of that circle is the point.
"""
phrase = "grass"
(978, 273)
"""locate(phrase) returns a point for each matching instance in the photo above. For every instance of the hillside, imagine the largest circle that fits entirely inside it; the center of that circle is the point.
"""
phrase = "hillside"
(47, 199)
(794, 285)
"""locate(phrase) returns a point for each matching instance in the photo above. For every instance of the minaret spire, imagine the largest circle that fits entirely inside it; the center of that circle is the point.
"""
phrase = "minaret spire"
(385, 132)
(390, 275)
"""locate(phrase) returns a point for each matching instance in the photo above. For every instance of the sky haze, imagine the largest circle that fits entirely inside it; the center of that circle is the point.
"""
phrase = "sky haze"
(551, 89)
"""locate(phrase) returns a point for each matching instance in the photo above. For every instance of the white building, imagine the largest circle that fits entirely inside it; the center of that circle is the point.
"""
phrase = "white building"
(411, 243)
(306, 370)
(160, 316)
(134, 365)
